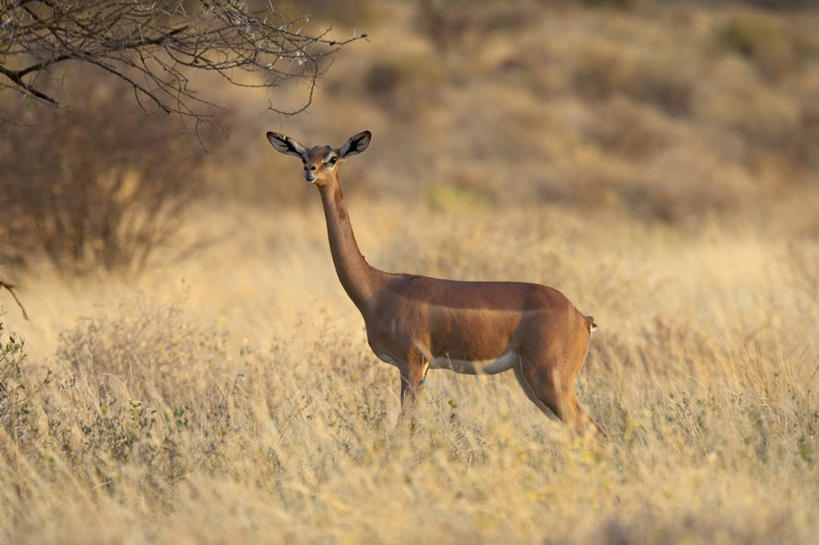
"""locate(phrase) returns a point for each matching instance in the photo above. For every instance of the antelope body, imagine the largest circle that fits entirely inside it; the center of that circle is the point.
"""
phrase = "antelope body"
(417, 322)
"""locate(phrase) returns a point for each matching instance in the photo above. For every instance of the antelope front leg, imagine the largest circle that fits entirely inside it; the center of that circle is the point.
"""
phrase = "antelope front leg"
(412, 384)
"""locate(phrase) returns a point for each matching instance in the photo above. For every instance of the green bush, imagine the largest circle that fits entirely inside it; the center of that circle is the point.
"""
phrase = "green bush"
(16, 390)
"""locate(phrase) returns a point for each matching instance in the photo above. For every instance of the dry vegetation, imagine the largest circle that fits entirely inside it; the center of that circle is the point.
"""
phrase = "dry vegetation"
(659, 166)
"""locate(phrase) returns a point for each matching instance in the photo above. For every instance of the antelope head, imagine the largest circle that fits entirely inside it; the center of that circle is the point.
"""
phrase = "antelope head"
(320, 162)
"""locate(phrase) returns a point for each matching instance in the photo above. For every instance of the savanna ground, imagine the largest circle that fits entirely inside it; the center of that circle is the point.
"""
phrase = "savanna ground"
(659, 165)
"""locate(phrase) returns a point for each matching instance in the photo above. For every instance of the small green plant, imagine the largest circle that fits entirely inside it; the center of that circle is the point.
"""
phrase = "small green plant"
(15, 390)
(11, 357)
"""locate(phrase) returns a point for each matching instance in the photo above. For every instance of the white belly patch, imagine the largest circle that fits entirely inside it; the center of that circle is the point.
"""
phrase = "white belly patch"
(386, 358)
(477, 367)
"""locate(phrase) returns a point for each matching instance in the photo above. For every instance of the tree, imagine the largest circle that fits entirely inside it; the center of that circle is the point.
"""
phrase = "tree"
(98, 183)
(154, 46)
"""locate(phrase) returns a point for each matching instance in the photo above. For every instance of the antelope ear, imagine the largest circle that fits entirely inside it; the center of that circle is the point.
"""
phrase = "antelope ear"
(356, 144)
(287, 145)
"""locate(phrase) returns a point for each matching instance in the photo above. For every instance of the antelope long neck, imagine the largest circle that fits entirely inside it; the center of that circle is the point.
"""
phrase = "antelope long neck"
(358, 278)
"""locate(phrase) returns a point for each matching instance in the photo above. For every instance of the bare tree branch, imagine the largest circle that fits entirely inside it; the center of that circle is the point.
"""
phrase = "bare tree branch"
(11, 288)
(156, 45)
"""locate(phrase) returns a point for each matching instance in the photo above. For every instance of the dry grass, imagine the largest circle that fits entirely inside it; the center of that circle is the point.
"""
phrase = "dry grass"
(654, 166)
(163, 422)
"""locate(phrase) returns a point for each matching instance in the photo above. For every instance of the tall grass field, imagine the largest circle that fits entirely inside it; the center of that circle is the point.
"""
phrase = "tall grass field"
(658, 164)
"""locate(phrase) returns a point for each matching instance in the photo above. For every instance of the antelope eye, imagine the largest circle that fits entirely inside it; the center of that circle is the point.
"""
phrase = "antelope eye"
(332, 160)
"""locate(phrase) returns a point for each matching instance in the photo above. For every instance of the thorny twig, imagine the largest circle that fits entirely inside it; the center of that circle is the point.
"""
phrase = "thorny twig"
(11, 288)
(155, 46)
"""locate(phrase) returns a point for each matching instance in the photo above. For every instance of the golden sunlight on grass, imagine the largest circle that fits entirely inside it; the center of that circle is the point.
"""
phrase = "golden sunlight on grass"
(219, 403)
(658, 164)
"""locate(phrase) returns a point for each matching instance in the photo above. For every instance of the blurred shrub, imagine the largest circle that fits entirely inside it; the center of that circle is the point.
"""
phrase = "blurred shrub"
(761, 39)
(443, 21)
(627, 4)
(99, 184)
(147, 347)
(647, 134)
(11, 357)
(458, 24)
(450, 198)
(15, 389)
(781, 4)
(598, 74)
(656, 79)
(808, 147)
(687, 180)
(405, 85)
(735, 97)
(345, 13)
(624, 4)
(661, 82)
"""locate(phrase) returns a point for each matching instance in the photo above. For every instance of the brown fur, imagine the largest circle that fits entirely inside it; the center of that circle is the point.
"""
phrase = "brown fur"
(412, 319)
